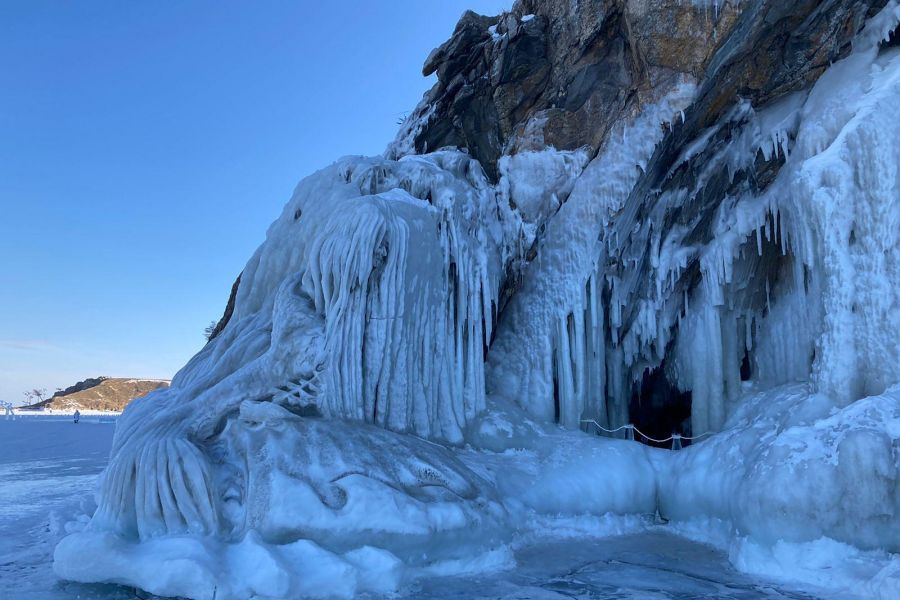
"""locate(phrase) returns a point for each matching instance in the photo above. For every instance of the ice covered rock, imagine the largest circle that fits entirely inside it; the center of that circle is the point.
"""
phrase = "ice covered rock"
(654, 208)
(370, 303)
(709, 241)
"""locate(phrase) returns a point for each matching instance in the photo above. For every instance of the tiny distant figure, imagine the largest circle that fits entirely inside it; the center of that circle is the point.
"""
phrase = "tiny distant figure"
(77, 416)
(9, 411)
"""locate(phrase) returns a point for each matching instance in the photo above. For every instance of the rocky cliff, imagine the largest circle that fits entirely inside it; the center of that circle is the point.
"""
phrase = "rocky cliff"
(100, 393)
(568, 79)
(559, 74)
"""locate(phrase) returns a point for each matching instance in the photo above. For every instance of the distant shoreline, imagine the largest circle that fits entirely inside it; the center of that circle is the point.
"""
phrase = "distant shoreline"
(63, 413)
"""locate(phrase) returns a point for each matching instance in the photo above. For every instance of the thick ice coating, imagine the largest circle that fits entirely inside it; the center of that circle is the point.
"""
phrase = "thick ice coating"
(413, 353)
(370, 301)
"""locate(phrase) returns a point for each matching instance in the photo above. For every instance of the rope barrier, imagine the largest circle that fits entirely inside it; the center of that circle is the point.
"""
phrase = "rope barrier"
(674, 438)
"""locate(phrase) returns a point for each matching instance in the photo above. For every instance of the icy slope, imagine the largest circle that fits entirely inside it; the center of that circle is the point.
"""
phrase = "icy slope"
(790, 466)
(796, 488)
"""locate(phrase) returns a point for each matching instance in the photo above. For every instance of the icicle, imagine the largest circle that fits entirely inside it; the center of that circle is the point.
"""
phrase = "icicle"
(748, 334)
(731, 357)
(784, 249)
(579, 356)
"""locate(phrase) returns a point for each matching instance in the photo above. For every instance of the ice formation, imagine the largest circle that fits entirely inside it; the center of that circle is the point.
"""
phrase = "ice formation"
(413, 351)
(800, 279)
(371, 302)
(554, 329)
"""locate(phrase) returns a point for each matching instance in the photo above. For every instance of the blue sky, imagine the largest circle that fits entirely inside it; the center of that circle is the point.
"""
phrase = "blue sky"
(146, 146)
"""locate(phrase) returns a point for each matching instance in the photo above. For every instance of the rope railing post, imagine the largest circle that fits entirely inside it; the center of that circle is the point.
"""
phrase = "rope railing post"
(675, 438)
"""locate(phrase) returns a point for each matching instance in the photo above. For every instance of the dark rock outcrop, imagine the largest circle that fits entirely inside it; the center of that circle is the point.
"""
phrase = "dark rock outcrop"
(560, 73)
(229, 309)
(557, 73)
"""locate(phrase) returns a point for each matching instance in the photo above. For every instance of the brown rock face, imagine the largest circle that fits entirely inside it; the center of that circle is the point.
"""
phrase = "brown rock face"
(559, 73)
(101, 393)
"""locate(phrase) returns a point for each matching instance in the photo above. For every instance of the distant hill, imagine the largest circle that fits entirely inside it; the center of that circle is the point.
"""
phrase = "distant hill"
(100, 393)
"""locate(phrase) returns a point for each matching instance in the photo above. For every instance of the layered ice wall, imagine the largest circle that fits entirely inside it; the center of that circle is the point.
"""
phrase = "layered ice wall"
(550, 353)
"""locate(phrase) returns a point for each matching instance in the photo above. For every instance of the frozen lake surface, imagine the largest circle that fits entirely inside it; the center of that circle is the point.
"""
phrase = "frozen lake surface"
(48, 467)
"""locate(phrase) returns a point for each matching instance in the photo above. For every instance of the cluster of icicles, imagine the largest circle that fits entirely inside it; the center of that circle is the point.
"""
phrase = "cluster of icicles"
(790, 282)
(395, 260)
(372, 299)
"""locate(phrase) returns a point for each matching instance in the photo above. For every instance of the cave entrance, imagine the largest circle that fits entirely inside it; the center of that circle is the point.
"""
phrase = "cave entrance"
(659, 409)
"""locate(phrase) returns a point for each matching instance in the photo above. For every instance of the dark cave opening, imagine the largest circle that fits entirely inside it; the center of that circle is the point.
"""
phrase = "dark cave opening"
(892, 40)
(555, 398)
(746, 369)
(659, 409)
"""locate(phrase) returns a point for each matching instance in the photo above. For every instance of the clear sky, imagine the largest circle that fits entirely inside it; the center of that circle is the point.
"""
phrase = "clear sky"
(146, 146)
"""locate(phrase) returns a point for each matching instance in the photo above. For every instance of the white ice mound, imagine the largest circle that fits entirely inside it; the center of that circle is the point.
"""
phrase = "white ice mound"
(304, 507)
(791, 466)
(344, 483)
(371, 302)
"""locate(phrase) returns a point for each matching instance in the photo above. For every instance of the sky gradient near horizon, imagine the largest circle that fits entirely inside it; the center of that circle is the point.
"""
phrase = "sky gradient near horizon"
(145, 148)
